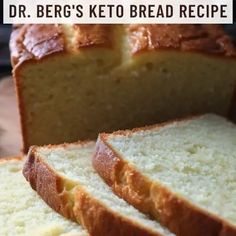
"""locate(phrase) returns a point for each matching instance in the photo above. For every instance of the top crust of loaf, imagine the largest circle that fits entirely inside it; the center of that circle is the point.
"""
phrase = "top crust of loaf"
(177, 214)
(211, 39)
(34, 42)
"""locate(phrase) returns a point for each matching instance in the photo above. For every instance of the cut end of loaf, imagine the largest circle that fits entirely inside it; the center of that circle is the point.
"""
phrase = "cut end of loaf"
(120, 96)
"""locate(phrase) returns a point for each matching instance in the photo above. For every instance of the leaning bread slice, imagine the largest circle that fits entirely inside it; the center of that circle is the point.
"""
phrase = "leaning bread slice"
(22, 211)
(182, 173)
(64, 177)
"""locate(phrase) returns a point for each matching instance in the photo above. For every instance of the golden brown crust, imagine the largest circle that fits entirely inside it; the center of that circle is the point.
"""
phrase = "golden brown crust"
(30, 43)
(11, 158)
(155, 126)
(94, 36)
(53, 192)
(99, 220)
(19, 91)
(173, 211)
(38, 41)
(210, 39)
(34, 42)
(85, 209)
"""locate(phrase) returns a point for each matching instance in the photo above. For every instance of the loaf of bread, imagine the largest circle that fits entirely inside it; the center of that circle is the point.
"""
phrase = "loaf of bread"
(22, 212)
(182, 173)
(74, 81)
(64, 177)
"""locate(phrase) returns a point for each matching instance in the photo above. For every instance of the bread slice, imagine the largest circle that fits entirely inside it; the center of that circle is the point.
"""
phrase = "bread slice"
(128, 75)
(183, 173)
(22, 212)
(64, 177)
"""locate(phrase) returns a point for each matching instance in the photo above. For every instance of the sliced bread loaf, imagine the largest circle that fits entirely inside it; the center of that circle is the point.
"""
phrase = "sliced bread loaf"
(22, 212)
(183, 173)
(128, 75)
(64, 177)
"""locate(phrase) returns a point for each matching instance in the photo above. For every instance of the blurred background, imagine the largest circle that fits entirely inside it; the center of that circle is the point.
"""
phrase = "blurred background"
(4, 51)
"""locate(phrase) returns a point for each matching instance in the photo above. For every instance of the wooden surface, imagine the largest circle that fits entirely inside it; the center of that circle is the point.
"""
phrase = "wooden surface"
(10, 136)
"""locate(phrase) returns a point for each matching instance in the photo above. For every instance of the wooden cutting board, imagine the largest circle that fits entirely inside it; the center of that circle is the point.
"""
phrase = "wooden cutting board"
(10, 135)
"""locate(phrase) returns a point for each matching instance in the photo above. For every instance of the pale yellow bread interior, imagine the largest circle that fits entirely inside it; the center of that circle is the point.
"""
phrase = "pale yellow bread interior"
(195, 159)
(23, 213)
(76, 95)
(73, 163)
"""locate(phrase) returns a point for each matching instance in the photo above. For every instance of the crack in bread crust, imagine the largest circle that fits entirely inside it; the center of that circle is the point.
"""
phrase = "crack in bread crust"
(34, 42)
(200, 38)
(38, 41)
(125, 45)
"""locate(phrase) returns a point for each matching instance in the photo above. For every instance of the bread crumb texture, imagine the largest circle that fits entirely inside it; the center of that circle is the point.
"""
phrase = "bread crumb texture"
(78, 169)
(195, 159)
(126, 76)
(23, 213)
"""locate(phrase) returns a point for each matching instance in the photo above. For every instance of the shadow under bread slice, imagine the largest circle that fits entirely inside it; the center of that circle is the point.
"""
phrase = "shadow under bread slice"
(64, 177)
